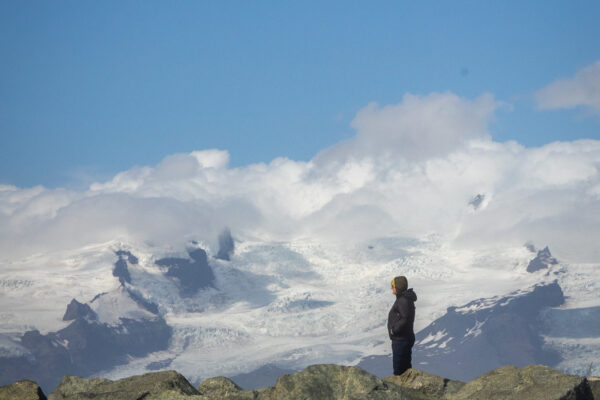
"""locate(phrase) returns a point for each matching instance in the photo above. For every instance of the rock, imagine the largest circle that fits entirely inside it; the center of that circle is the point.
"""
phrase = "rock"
(336, 383)
(477, 201)
(542, 261)
(534, 382)
(76, 310)
(192, 275)
(163, 385)
(22, 390)
(325, 382)
(131, 259)
(594, 384)
(224, 388)
(121, 271)
(226, 245)
(432, 386)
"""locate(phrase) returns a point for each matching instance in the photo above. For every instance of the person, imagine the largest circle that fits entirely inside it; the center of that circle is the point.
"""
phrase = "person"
(401, 324)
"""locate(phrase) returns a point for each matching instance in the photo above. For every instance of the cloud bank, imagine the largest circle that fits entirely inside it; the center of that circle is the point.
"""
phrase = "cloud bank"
(411, 170)
(581, 90)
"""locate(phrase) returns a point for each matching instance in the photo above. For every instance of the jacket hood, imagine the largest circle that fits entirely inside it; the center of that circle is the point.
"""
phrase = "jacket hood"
(409, 294)
(400, 283)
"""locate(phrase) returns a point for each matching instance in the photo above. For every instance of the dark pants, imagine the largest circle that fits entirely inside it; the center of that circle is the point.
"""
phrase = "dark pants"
(402, 355)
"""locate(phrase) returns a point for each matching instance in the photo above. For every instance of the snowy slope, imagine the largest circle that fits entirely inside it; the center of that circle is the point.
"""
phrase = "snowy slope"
(287, 304)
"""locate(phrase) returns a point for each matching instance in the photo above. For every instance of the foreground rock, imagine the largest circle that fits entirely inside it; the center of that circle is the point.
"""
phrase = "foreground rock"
(224, 388)
(595, 386)
(315, 382)
(325, 382)
(164, 385)
(337, 383)
(431, 386)
(22, 390)
(529, 383)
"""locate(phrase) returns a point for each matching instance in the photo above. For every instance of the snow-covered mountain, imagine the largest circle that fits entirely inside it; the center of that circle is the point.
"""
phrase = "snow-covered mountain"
(117, 309)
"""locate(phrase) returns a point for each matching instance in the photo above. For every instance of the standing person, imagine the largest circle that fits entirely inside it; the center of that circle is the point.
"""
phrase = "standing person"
(400, 324)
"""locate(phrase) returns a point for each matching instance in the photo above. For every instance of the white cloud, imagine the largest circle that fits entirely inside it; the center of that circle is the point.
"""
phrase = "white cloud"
(581, 90)
(411, 170)
(418, 127)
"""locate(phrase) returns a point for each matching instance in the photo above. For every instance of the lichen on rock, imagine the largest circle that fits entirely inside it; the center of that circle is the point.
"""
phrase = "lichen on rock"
(22, 390)
(534, 382)
(432, 386)
(163, 384)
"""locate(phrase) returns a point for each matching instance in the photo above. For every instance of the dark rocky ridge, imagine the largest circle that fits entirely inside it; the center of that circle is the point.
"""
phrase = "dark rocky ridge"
(121, 271)
(131, 259)
(191, 275)
(77, 310)
(542, 261)
(477, 201)
(324, 382)
(226, 245)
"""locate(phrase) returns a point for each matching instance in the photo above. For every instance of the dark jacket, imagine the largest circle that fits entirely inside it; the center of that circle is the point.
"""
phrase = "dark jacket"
(401, 318)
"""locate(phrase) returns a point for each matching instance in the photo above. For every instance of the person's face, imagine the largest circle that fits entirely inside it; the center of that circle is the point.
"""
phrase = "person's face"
(394, 290)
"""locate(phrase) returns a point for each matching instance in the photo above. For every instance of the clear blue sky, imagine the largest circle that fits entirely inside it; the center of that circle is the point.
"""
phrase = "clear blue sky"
(90, 88)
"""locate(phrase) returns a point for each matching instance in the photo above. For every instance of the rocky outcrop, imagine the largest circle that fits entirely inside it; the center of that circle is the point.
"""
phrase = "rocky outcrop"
(77, 310)
(431, 386)
(477, 201)
(542, 261)
(224, 388)
(22, 390)
(337, 383)
(155, 385)
(191, 275)
(529, 383)
(131, 259)
(121, 270)
(226, 245)
(315, 382)
(326, 382)
(595, 386)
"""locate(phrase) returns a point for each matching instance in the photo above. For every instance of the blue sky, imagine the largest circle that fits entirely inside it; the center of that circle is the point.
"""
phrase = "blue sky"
(88, 89)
